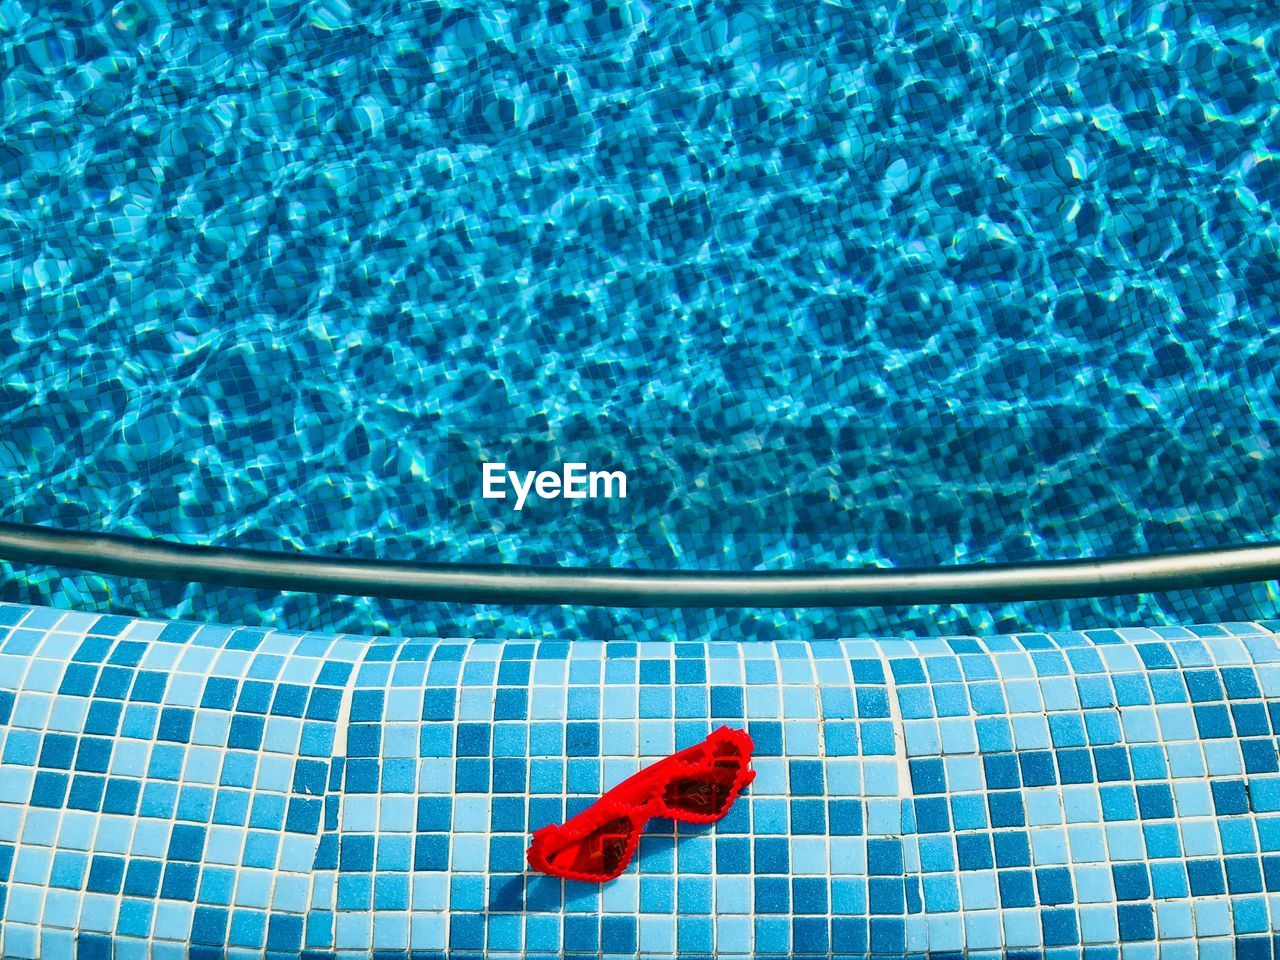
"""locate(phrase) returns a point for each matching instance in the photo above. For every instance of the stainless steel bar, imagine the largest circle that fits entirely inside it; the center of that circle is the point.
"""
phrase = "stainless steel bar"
(519, 585)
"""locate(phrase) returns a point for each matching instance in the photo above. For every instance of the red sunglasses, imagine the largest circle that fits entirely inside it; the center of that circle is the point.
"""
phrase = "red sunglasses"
(696, 785)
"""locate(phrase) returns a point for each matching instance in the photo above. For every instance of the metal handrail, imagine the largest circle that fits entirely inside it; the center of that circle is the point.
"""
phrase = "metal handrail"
(506, 584)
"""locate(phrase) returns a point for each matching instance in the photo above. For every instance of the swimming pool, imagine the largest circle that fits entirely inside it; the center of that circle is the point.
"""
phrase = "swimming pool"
(834, 285)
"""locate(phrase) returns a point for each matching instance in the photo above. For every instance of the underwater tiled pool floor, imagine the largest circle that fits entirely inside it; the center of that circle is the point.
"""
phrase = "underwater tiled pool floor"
(170, 789)
(839, 284)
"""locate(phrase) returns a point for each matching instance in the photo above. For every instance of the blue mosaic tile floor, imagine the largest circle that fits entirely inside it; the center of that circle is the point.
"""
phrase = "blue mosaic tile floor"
(175, 789)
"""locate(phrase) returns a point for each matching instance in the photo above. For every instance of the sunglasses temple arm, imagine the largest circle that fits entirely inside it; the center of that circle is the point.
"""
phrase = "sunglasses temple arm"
(631, 785)
(644, 774)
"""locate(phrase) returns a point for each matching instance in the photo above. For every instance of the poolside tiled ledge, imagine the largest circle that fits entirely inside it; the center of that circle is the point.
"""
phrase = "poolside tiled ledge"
(176, 789)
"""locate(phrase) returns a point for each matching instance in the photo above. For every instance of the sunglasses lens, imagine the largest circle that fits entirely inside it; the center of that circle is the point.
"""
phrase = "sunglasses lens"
(701, 796)
(601, 853)
(707, 792)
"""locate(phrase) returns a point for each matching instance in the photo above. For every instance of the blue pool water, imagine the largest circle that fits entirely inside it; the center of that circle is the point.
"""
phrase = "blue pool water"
(906, 284)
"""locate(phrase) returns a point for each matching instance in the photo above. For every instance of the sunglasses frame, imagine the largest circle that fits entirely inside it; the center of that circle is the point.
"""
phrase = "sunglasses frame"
(639, 799)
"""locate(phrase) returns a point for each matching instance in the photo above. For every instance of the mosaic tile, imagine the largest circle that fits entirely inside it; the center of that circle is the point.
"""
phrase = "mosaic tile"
(174, 789)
